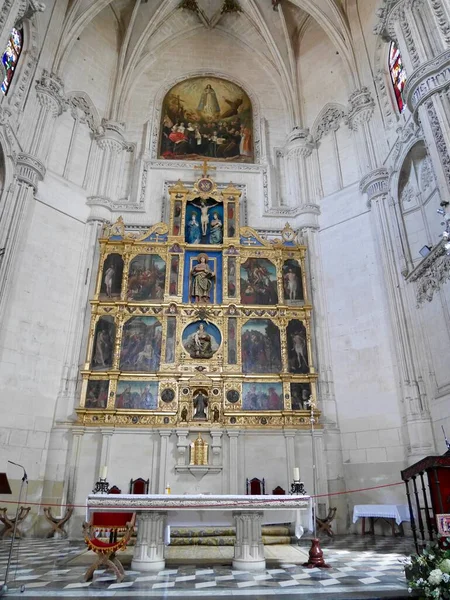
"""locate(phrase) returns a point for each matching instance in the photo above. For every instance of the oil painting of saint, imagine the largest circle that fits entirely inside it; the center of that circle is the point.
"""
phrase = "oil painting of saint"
(201, 339)
(300, 395)
(146, 278)
(96, 394)
(111, 282)
(103, 349)
(262, 396)
(292, 282)
(261, 347)
(259, 282)
(207, 117)
(141, 345)
(297, 347)
(141, 395)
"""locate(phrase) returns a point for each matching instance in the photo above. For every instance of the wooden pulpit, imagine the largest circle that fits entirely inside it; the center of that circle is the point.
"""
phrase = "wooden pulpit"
(428, 492)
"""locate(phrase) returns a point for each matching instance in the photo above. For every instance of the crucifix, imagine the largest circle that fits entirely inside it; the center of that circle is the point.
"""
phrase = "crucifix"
(205, 168)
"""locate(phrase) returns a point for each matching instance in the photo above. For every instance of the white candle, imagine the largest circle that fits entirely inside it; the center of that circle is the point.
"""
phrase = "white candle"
(103, 472)
(296, 474)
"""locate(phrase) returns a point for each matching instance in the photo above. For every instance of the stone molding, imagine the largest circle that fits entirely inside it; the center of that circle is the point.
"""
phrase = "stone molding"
(361, 108)
(431, 274)
(29, 170)
(375, 184)
(431, 77)
(329, 119)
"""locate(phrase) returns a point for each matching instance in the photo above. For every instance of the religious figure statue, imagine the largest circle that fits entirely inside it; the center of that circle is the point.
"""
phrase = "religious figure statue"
(199, 344)
(209, 105)
(109, 278)
(193, 230)
(204, 218)
(216, 235)
(200, 404)
(201, 280)
(291, 284)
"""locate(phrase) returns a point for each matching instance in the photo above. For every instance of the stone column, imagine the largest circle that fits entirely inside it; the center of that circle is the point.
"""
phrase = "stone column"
(12, 12)
(249, 547)
(414, 399)
(216, 447)
(30, 169)
(300, 171)
(149, 549)
(72, 474)
(164, 451)
(182, 446)
(422, 32)
(111, 141)
(233, 462)
(360, 112)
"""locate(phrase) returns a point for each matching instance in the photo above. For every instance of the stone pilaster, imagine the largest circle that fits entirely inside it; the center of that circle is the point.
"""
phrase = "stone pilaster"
(249, 547)
(30, 169)
(105, 448)
(164, 455)
(414, 399)
(233, 461)
(216, 447)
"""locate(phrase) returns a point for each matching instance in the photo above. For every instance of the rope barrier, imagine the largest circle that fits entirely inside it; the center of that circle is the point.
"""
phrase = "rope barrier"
(282, 499)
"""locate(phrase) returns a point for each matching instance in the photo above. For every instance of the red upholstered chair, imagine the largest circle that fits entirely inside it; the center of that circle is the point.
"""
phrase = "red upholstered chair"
(278, 491)
(101, 527)
(114, 490)
(256, 487)
(139, 486)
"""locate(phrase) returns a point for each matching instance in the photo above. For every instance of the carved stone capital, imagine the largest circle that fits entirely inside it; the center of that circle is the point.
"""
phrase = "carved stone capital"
(361, 108)
(29, 170)
(50, 93)
(110, 136)
(375, 184)
(28, 8)
(299, 143)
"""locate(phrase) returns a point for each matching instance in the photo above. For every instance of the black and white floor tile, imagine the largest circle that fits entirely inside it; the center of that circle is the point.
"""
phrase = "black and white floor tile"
(360, 568)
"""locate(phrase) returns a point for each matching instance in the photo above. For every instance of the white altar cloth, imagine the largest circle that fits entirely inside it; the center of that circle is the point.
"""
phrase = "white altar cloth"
(399, 512)
(155, 512)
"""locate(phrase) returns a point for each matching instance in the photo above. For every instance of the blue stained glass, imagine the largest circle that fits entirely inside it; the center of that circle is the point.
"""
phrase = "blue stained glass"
(10, 58)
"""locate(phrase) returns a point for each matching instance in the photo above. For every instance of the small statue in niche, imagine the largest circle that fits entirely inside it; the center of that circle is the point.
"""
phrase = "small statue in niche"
(216, 235)
(200, 406)
(184, 413)
(201, 280)
(216, 415)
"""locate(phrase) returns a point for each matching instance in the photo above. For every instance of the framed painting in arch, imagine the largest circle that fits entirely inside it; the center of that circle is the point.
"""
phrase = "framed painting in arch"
(103, 348)
(207, 117)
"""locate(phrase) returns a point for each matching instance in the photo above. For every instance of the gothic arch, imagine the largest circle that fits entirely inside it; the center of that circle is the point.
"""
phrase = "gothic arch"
(83, 101)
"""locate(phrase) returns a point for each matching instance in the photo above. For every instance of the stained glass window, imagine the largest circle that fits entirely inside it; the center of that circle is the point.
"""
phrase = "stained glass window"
(398, 75)
(11, 57)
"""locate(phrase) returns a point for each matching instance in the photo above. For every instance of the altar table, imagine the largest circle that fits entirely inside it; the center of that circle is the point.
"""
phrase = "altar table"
(394, 512)
(154, 513)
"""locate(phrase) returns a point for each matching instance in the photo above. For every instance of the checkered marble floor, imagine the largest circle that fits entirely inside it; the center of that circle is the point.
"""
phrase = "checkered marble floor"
(360, 568)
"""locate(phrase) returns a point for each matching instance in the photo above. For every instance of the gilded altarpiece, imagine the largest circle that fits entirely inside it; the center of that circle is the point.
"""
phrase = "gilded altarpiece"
(199, 322)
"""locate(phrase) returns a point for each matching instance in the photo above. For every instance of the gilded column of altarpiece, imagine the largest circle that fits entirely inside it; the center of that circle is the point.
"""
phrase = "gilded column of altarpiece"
(199, 322)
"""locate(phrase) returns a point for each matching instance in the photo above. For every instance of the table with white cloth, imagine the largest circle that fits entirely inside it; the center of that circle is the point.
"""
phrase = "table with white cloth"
(155, 513)
(392, 513)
